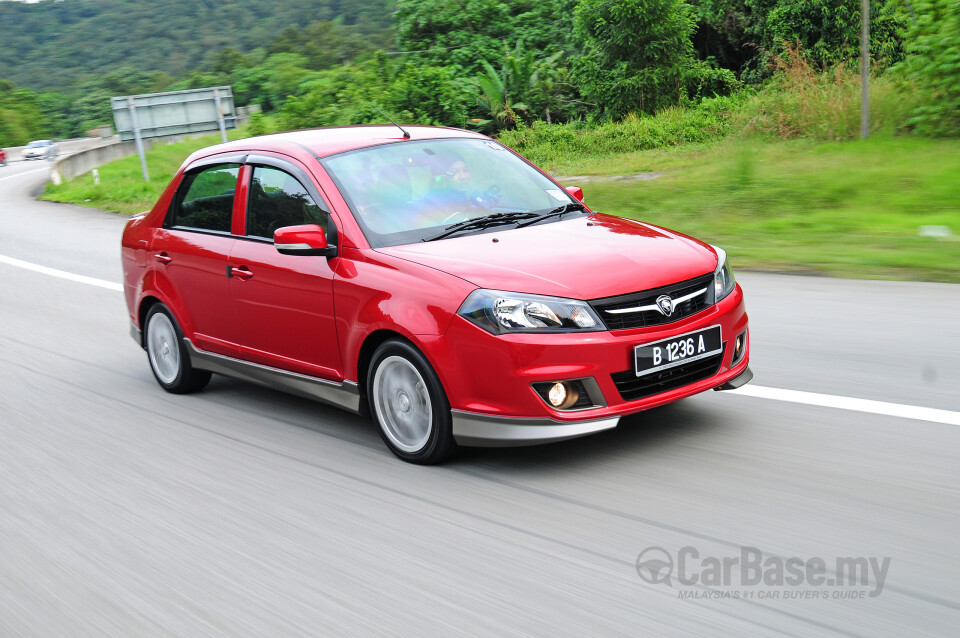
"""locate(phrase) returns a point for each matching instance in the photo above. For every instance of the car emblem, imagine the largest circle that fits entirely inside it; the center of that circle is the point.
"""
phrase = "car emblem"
(665, 305)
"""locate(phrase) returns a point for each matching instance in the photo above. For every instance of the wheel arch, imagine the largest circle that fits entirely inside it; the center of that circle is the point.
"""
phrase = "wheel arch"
(370, 344)
(146, 303)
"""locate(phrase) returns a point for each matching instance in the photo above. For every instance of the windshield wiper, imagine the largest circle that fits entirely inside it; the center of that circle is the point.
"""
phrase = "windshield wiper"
(478, 223)
(558, 212)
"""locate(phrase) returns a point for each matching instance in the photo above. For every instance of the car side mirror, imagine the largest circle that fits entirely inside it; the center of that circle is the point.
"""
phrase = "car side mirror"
(307, 239)
(577, 192)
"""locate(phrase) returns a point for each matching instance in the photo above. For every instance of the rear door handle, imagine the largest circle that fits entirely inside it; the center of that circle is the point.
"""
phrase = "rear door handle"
(163, 258)
(242, 272)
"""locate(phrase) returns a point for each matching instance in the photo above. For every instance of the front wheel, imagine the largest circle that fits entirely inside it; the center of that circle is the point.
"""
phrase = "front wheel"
(168, 357)
(409, 405)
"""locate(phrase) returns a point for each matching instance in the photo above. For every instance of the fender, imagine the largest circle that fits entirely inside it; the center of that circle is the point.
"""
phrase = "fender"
(372, 293)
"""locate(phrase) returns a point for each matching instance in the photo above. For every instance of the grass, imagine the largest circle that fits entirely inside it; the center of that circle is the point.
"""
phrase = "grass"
(843, 208)
(121, 188)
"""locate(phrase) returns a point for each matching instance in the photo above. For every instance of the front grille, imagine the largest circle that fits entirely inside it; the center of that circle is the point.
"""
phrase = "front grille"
(632, 387)
(623, 321)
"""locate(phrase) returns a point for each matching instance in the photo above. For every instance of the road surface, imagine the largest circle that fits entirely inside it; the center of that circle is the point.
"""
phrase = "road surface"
(240, 511)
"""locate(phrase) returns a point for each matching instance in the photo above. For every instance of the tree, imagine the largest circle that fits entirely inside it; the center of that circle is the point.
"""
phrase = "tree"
(523, 84)
(21, 116)
(933, 65)
(228, 59)
(744, 35)
(638, 56)
(464, 33)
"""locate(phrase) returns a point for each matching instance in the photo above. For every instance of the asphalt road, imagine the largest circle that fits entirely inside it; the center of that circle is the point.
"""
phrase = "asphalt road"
(239, 511)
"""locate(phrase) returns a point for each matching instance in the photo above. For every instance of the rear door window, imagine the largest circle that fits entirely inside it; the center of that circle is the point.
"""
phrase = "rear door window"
(205, 199)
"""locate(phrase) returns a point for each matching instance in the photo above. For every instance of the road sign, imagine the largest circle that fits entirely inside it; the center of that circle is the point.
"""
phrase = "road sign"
(138, 117)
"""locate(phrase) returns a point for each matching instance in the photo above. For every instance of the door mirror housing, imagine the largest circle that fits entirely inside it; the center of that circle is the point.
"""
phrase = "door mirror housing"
(576, 191)
(307, 239)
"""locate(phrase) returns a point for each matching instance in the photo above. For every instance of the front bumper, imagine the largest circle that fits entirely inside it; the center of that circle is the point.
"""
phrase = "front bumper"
(494, 402)
(483, 430)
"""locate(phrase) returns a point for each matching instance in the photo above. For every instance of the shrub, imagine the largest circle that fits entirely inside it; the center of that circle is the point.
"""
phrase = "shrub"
(799, 101)
(547, 144)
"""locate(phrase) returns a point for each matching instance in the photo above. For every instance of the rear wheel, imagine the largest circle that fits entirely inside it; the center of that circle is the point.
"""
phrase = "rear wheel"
(168, 358)
(409, 404)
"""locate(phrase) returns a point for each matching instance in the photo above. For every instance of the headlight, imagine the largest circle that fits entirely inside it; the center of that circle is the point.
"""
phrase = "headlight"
(723, 281)
(502, 312)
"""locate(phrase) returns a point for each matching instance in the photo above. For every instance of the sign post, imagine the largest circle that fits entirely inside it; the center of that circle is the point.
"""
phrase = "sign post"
(223, 128)
(136, 135)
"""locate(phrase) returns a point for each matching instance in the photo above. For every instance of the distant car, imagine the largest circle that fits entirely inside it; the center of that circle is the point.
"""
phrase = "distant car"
(40, 149)
(3, 157)
(437, 280)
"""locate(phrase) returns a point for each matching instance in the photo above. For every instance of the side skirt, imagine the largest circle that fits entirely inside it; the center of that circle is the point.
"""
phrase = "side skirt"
(344, 395)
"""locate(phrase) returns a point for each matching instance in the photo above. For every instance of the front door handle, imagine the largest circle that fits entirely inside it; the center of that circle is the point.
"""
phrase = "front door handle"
(163, 258)
(242, 272)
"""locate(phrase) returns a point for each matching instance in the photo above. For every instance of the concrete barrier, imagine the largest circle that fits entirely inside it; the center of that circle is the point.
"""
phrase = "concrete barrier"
(66, 168)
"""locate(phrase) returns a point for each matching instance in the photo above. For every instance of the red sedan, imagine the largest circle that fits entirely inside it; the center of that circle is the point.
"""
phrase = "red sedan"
(431, 276)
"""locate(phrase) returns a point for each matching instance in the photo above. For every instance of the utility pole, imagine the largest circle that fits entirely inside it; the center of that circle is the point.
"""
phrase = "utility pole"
(864, 68)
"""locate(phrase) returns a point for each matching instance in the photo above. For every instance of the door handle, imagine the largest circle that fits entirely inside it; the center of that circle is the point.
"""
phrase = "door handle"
(242, 272)
(163, 258)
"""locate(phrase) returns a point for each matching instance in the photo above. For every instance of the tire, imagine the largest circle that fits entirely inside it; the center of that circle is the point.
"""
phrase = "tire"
(169, 360)
(408, 404)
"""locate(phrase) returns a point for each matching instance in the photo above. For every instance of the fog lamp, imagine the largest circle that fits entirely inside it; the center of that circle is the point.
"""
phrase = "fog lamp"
(738, 347)
(557, 395)
(562, 395)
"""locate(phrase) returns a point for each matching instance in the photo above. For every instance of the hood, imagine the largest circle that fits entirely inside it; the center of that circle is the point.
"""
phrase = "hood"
(583, 258)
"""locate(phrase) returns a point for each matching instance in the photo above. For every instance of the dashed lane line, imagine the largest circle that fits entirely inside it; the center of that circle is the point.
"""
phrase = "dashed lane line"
(62, 274)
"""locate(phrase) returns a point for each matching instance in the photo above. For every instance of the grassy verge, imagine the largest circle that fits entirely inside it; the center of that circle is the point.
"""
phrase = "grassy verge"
(121, 188)
(844, 208)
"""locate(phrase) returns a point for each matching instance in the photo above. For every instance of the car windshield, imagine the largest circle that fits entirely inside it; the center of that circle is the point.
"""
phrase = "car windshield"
(38, 144)
(406, 192)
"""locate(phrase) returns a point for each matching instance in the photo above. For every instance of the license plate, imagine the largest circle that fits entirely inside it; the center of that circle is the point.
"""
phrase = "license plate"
(667, 353)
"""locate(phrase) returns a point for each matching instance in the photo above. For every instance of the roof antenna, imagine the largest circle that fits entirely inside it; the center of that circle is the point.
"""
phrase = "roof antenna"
(406, 135)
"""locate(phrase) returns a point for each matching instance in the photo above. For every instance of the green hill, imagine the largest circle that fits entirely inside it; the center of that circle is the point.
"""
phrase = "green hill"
(53, 43)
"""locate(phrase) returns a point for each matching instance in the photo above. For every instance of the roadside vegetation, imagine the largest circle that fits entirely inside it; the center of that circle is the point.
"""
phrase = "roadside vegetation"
(748, 110)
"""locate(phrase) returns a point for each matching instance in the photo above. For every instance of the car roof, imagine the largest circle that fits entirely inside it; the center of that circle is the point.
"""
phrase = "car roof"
(322, 142)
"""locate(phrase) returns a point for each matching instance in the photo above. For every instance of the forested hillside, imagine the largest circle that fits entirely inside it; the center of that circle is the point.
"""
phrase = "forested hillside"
(50, 44)
(787, 67)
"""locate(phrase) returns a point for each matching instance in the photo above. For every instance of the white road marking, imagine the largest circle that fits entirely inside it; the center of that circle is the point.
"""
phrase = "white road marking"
(850, 403)
(36, 170)
(62, 274)
(762, 392)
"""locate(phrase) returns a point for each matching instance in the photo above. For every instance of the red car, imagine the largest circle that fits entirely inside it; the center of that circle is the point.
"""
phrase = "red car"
(431, 276)
(3, 157)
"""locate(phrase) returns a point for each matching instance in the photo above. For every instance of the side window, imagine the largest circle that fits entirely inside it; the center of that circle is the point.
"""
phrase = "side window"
(205, 198)
(277, 199)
